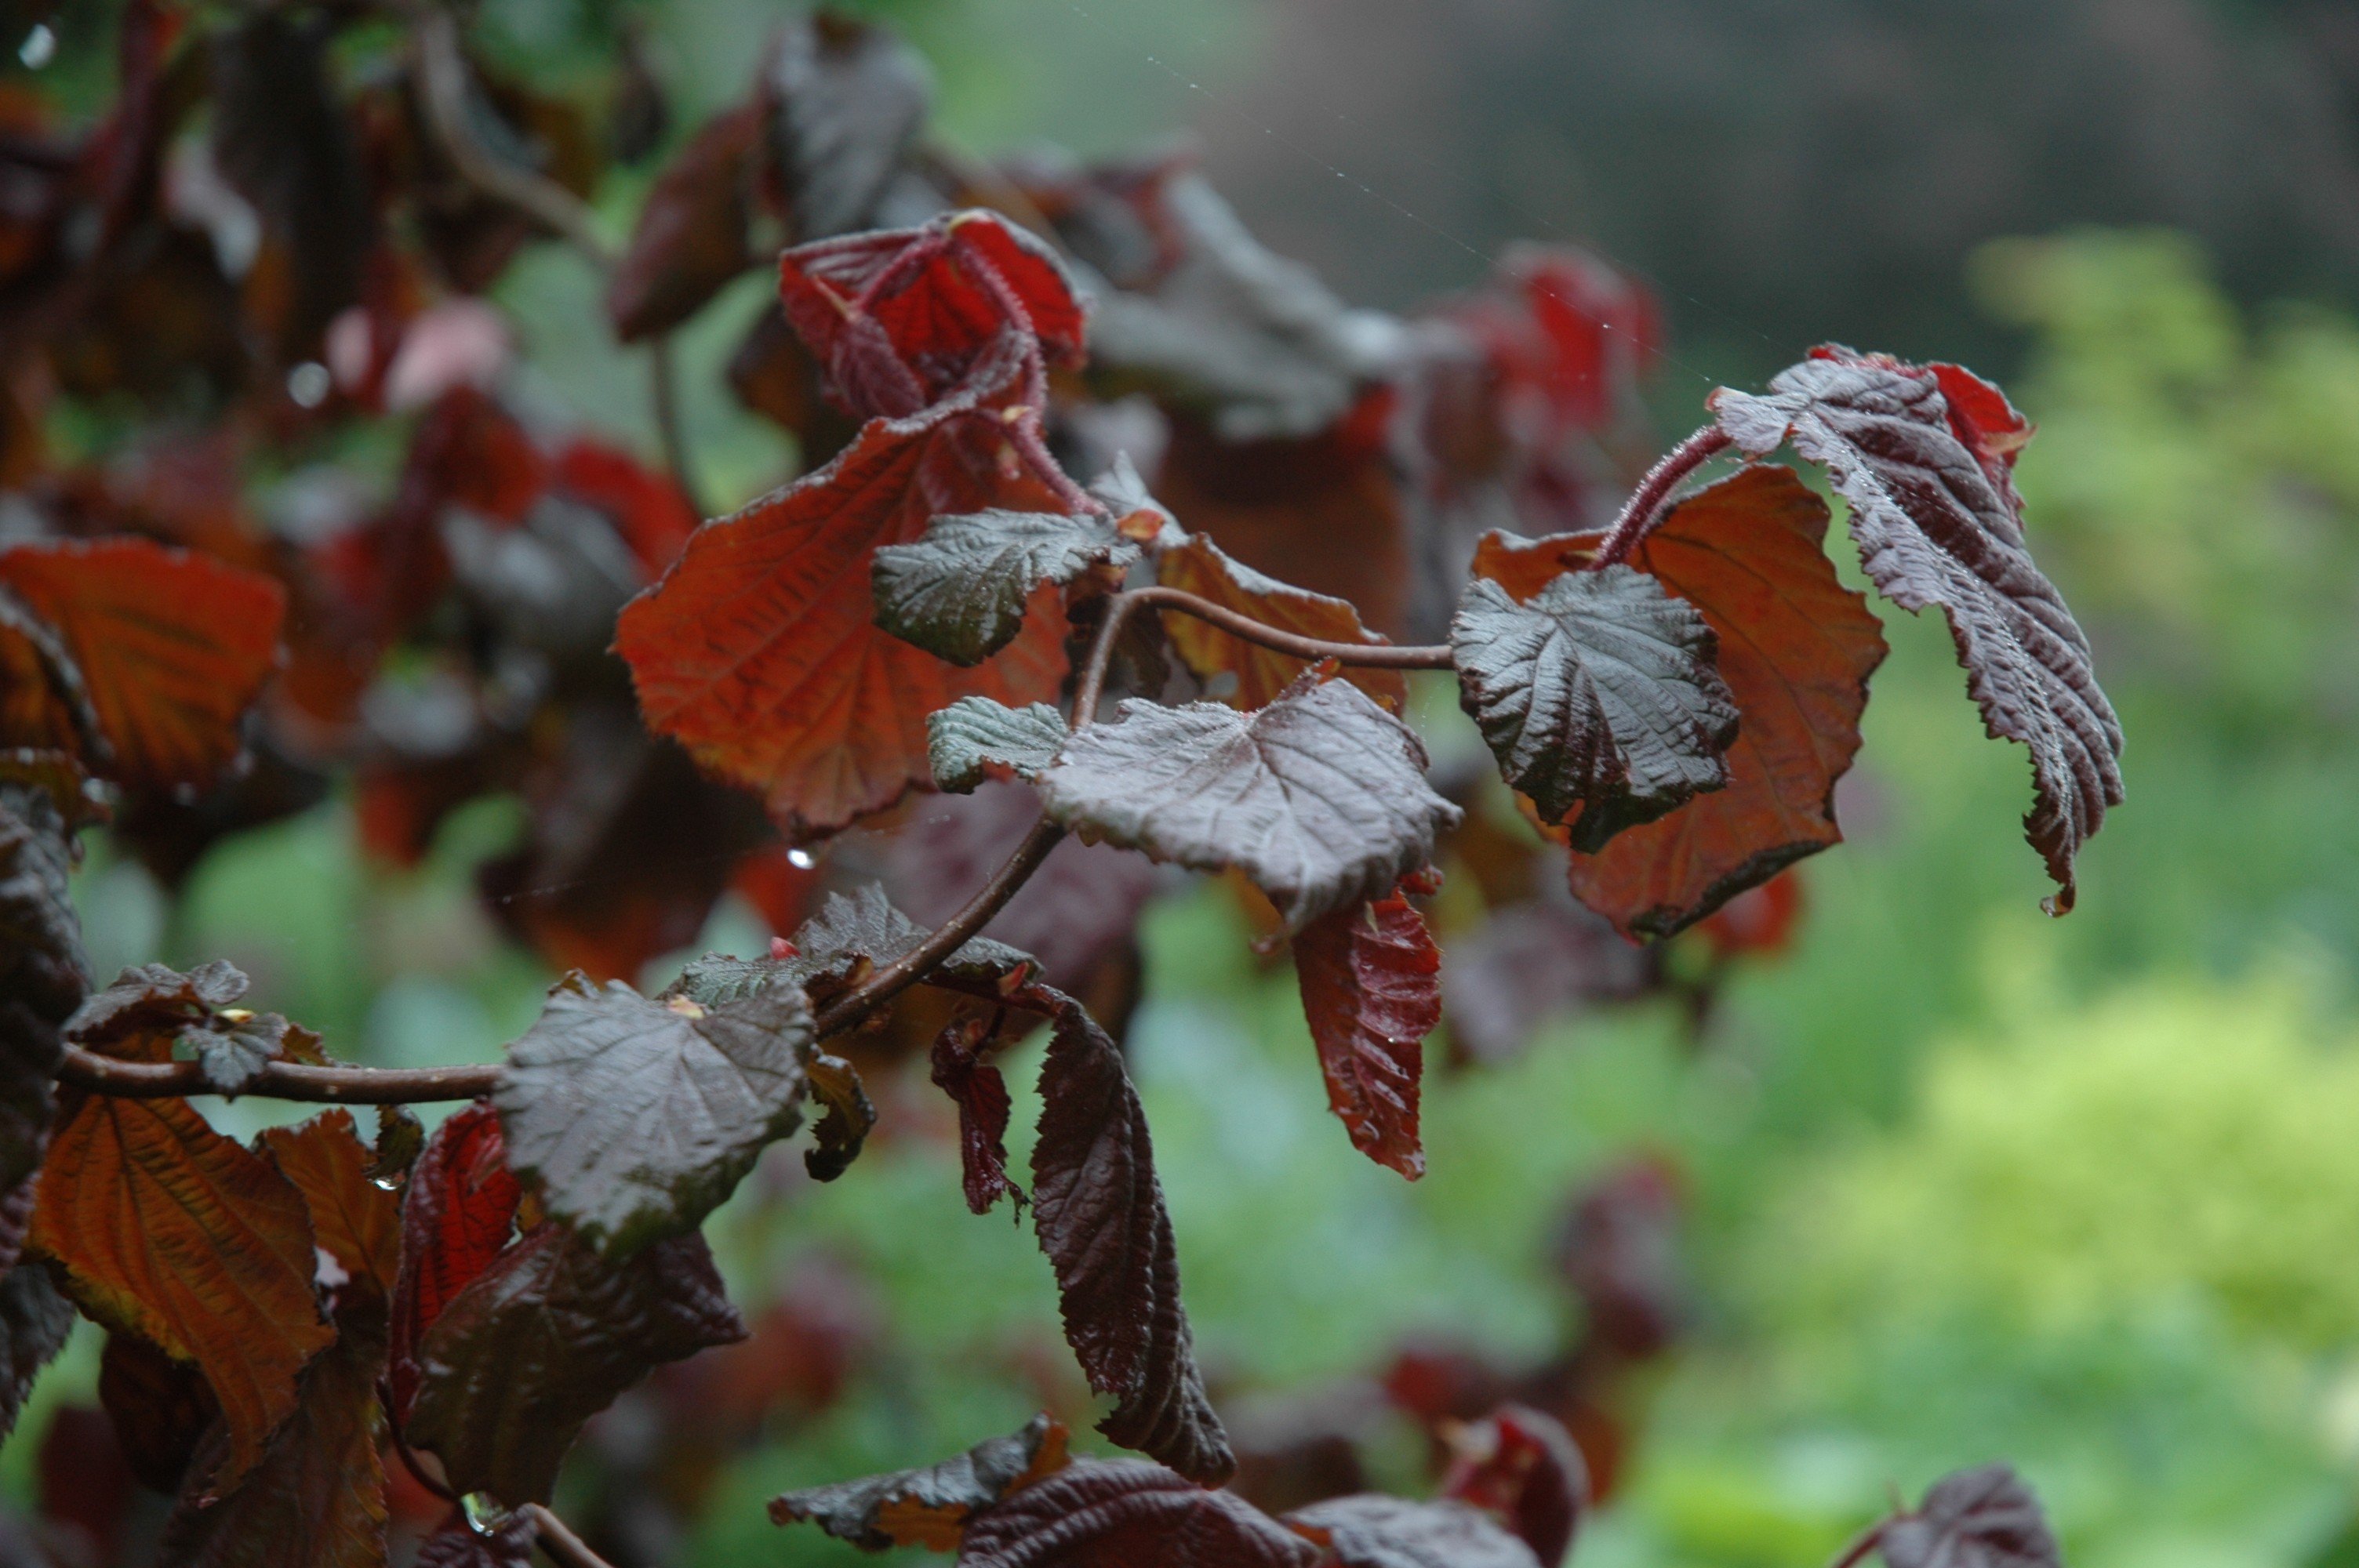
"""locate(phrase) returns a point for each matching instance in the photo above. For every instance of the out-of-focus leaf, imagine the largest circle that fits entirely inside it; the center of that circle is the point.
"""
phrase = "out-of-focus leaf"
(1319, 798)
(758, 650)
(1373, 1531)
(355, 1221)
(850, 937)
(1098, 1513)
(43, 971)
(647, 508)
(1519, 1466)
(458, 1544)
(1530, 961)
(930, 1507)
(631, 1119)
(1925, 457)
(1619, 1251)
(161, 1408)
(169, 1230)
(172, 648)
(961, 591)
(693, 232)
(850, 98)
(975, 738)
(1098, 1210)
(1983, 1517)
(1371, 981)
(1199, 567)
(961, 1072)
(543, 1340)
(456, 1216)
(1598, 696)
(33, 1318)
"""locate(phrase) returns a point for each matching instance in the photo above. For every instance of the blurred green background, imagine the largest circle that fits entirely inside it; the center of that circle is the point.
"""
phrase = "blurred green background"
(1966, 1183)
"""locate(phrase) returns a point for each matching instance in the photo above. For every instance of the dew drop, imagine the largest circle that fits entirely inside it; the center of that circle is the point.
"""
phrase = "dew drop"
(308, 384)
(483, 1513)
(801, 860)
(40, 47)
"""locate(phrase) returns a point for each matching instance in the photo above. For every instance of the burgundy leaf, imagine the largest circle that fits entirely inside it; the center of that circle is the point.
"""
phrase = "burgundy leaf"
(456, 1217)
(961, 1072)
(692, 235)
(1371, 981)
(161, 1408)
(1123, 1514)
(1521, 1467)
(1372, 1530)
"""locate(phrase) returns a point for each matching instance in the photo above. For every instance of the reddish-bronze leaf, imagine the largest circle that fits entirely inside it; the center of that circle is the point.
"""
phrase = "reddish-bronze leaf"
(961, 1072)
(1098, 1513)
(170, 647)
(930, 1507)
(1199, 567)
(543, 1340)
(356, 1221)
(692, 233)
(1938, 522)
(1371, 982)
(758, 651)
(1796, 648)
(169, 1230)
(456, 1216)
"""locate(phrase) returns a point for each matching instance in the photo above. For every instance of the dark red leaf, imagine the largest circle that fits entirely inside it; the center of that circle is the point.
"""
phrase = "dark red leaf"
(1520, 1466)
(456, 1217)
(354, 1220)
(1983, 1517)
(1371, 981)
(1619, 1251)
(1760, 922)
(1123, 1514)
(647, 508)
(1938, 522)
(1372, 1530)
(692, 235)
(160, 1408)
(961, 1072)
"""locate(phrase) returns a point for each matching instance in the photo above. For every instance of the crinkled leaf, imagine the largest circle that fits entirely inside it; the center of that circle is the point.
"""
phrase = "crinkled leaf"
(929, 1507)
(1199, 567)
(847, 1119)
(457, 1212)
(693, 231)
(169, 1230)
(975, 738)
(962, 590)
(1373, 1531)
(232, 1057)
(1983, 1517)
(458, 1544)
(318, 1496)
(1796, 648)
(543, 1340)
(155, 1001)
(1098, 1513)
(758, 650)
(850, 98)
(355, 1221)
(961, 1072)
(1598, 697)
(631, 1119)
(1371, 981)
(1924, 456)
(171, 647)
(1098, 1210)
(1319, 798)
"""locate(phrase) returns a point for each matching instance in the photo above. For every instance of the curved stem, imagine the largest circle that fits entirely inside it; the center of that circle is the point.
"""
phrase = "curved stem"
(556, 1539)
(281, 1081)
(1640, 512)
(1370, 655)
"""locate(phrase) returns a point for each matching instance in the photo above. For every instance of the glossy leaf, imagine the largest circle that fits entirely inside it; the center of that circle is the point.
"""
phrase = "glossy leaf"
(172, 648)
(976, 739)
(630, 1119)
(1983, 1517)
(1925, 457)
(1372, 1530)
(1319, 798)
(1371, 980)
(456, 1214)
(962, 590)
(1199, 567)
(1796, 648)
(1097, 1513)
(693, 233)
(354, 1220)
(1598, 696)
(758, 651)
(169, 1230)
(929, 1507)
(546, 1338)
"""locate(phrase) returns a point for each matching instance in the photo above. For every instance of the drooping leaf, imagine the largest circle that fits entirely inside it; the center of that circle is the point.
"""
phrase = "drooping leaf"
(1319, 798)
(457, 1212)
(355, 1221)
(758, 651)
(543, 1340)
(962, 1071)
(962, 590)
(1521, 1466)
(1098, 1210)
(1373, 1531)
(317, 1497)
(693, 231)
(1796, 648)
(1598, 696)
(1098, 1513)
(1983, 1517)
(169, 1230)
(1371, 980)
(929, 1507)
(975, 738)
(171, 647)
(631, 1119)
(457, 1543)
(850, 98)
(846, 1118)
(1199, 567)
(1924, 456)
(161, 1408)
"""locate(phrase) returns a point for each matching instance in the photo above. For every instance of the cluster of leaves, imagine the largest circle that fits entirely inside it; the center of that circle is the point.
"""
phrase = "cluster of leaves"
(1199, 668)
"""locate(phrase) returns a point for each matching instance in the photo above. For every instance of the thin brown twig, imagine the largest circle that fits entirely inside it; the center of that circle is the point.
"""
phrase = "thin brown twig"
(556, 1539)
(1369, 655)
(281, 1081)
